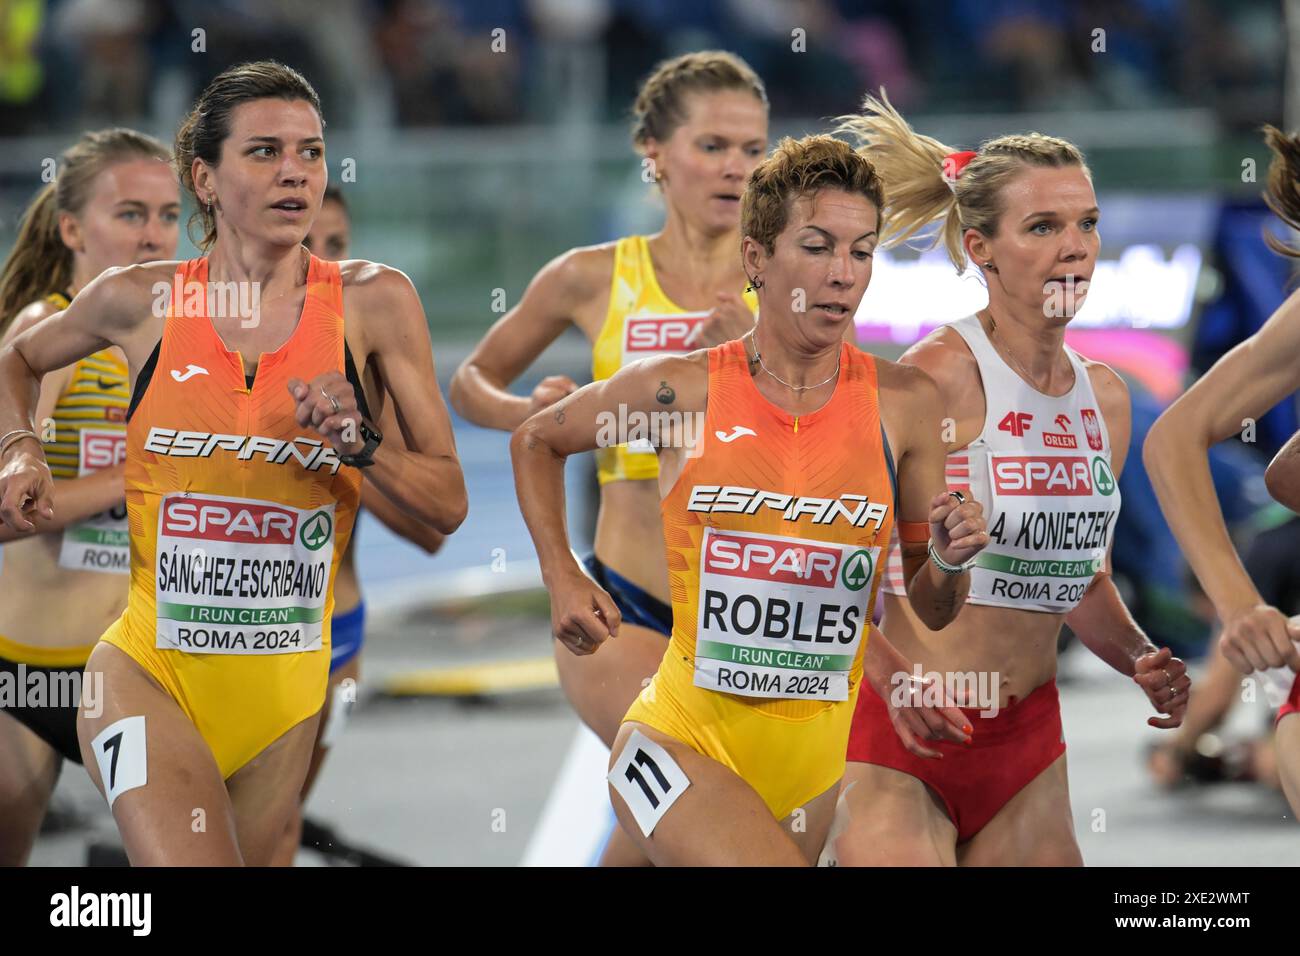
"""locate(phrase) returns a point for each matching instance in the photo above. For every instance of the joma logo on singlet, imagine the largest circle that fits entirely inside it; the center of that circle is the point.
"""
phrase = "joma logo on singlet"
(1026, 475)
(660, 333)
(223, 520)
(317, 455)
(857, 510)
(746, 557)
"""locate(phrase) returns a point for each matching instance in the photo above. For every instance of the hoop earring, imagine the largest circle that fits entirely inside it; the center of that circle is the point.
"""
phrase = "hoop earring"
(754, 284)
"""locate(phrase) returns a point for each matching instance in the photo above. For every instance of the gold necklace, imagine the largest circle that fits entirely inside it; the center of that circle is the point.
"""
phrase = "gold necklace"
(797, 389)
(1006, 352)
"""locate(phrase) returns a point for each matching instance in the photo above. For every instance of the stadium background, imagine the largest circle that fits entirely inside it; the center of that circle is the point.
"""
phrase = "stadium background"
(475, 140)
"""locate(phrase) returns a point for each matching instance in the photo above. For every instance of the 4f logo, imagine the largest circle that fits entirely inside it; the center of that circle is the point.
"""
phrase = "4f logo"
(1016, 422)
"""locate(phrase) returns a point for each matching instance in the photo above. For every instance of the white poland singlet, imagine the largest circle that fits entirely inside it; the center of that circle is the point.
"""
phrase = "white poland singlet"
(1041, 467)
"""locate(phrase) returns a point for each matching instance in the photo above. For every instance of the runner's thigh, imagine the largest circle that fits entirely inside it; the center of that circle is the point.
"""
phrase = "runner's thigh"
(29, 769)
(266, 790)
(716, 820)
(164, 785)
(894, 819)
(1034, 828)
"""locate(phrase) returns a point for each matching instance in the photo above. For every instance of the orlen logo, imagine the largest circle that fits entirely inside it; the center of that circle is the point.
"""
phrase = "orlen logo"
(660, 333)
(1063, 438)
(216, 520)
(1025, 475)
(102, 449)
(767, 560)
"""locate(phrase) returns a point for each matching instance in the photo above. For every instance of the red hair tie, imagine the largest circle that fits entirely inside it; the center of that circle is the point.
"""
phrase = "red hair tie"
(953, 164)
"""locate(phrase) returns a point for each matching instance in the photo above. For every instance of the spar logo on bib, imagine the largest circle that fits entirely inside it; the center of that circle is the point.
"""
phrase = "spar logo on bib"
(652, 334)
(241, 523)
(857, 570)
(102, 449)
(766, 560)
(1049, 475)
(316, 531)
(1101, 475)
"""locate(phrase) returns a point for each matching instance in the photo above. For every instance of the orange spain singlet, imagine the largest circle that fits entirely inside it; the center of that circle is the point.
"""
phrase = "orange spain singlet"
(238, 518)
(774, 534)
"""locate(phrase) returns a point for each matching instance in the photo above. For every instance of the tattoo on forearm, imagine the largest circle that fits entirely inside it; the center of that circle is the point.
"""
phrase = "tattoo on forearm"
(531, 443)
(665, 395)
(559, 416)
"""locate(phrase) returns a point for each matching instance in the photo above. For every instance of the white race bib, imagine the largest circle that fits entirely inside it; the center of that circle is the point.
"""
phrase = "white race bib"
(101, 542)
(1051, 520)
(780, 617)
(240, 575)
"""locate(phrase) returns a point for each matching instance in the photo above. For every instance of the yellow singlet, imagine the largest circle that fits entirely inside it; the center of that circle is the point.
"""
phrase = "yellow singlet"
(89, 434)
(641, 322)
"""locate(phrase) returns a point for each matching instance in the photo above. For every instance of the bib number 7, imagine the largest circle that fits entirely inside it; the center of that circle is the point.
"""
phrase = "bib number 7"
(121, 755)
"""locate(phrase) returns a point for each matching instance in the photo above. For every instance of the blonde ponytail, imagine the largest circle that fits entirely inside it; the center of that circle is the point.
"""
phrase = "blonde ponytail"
(916, 192)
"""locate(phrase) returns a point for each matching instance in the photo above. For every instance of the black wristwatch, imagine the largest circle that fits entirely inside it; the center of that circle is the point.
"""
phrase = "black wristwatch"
(366, 457)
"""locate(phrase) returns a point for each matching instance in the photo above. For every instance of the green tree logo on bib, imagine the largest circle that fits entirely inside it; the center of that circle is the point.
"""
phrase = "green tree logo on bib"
(1101, 476)
(316, 530)
(857, 570)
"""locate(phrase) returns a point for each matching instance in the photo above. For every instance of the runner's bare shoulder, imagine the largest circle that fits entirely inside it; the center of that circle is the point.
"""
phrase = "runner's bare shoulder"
(124, 302)
(382, 292)
(910, 386)
(1108, 385)
(571, 282)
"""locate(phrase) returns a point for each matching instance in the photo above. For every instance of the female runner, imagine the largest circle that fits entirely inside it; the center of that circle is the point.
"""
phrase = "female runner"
(254, 370)
(1038, 435)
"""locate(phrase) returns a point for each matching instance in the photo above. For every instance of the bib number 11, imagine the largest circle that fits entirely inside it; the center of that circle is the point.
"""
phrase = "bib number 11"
(648, 779)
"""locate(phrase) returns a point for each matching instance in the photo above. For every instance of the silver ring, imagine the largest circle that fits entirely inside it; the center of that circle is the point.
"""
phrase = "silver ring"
(334, 401)
(961, 499)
